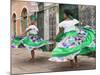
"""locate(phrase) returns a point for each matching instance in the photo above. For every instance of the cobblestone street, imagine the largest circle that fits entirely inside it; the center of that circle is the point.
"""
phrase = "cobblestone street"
(20, 63)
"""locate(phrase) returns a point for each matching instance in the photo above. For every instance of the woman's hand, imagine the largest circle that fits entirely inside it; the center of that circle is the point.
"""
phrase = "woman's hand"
(22, 34)
(54, 40)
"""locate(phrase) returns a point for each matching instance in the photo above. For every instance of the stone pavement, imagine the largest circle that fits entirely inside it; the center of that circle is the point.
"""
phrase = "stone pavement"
(20, 63)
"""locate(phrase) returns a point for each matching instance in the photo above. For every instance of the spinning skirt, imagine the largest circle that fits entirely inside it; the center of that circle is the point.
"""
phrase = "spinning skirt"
(30, 42)
(73, 43)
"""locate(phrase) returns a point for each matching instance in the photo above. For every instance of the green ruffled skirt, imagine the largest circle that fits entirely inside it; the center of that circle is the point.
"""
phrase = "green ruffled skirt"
(73, 43)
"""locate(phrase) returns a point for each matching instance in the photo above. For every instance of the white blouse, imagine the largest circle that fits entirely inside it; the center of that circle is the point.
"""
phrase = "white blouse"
(68, 25)
(34, 29)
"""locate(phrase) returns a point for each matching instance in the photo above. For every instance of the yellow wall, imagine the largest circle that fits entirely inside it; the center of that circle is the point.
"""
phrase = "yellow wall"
(17, 7)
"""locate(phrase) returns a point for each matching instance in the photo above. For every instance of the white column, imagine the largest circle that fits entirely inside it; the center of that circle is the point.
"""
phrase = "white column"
(46, 24)
(57, 19)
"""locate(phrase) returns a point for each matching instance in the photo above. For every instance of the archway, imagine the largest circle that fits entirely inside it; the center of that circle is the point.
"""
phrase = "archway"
(14, 23)
(24, 19)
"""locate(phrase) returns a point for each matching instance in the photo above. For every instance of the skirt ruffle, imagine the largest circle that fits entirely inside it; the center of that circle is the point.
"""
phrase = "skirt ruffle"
(73, 43)
(30, 42)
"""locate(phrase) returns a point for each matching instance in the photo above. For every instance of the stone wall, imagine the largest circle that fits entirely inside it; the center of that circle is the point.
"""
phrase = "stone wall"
(87, 15)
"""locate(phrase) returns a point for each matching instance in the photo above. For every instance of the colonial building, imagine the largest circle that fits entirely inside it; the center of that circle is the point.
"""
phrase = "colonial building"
(47, 16)
(20, 15)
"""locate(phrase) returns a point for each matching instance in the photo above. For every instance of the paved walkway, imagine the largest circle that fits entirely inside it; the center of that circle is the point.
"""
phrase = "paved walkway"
(20, 63)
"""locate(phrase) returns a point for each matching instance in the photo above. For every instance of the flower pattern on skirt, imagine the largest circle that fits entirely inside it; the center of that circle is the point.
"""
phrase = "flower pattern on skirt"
(70, 42)
(35, 38)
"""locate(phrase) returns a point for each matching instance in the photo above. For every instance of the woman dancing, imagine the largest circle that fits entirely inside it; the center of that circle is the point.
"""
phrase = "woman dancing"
(32, 41)
(71, 40)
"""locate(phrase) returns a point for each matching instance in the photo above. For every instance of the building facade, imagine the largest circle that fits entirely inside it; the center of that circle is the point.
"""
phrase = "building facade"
(47, 16)
(20, 15)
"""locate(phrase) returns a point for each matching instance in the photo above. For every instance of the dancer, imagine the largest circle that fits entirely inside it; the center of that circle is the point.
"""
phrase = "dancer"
(32, 41)
(71, 40)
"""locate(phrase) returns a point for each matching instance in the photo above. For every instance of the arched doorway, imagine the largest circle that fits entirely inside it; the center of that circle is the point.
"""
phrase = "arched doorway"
(23, 19)
(14, 23)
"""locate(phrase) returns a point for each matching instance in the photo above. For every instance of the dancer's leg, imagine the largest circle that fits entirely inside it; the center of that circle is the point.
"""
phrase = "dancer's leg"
(32, 54)
(75, 58)
(76, 61)
(72, 63)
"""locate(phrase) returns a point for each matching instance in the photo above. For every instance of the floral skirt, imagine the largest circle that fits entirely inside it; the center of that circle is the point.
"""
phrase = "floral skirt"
(72, 44)
(30, 42)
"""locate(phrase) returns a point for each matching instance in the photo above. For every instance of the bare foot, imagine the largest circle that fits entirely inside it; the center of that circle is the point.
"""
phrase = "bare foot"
(31, 60)
(77, 65)
(72, 64)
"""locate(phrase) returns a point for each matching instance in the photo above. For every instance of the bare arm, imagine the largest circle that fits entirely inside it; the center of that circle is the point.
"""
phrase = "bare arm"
(25, 32)
(60, 31)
